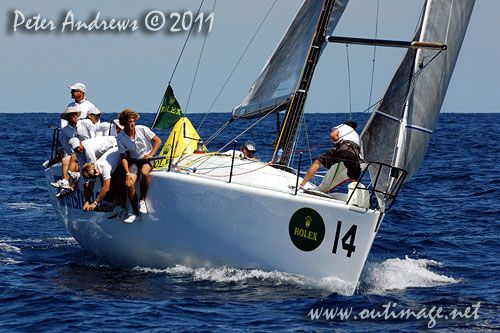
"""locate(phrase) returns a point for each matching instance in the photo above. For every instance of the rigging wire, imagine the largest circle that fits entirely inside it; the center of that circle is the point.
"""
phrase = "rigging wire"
(374, 53)
(307, 139)
(185, 43)
(246, 130)
(178, 60)
(199, 61)
(349, 80)
(237, 64)
(414, 76)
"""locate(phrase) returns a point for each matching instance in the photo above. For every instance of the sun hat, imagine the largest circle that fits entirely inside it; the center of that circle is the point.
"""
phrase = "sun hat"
(68, 111)
(117, 123)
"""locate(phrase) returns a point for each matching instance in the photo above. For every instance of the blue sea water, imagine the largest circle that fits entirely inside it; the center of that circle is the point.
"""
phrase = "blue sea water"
(436, 253)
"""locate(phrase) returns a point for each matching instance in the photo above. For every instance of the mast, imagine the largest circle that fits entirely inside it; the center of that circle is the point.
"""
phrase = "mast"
(288, 135)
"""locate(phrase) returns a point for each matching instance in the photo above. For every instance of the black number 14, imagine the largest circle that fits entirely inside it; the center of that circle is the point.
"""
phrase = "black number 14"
(347, 240)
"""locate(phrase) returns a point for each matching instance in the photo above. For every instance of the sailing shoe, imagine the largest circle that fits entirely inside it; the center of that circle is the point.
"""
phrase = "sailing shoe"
(64, 192)
(131, 218)
(142, 207)
(61, 183)
(74, 175)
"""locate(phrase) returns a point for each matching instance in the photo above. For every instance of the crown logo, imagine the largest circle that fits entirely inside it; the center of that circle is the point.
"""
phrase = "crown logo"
(308, 221)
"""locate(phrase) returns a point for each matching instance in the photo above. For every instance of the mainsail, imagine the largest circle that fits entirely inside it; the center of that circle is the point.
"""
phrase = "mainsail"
(399, 130)
(274, 88)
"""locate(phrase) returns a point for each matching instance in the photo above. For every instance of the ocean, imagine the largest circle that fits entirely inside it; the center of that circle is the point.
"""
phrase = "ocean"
(434, 263)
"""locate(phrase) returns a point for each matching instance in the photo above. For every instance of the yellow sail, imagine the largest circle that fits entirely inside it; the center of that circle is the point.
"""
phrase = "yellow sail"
(183, 138)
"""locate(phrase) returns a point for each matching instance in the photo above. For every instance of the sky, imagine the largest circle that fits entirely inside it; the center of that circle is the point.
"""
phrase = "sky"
(131, 69)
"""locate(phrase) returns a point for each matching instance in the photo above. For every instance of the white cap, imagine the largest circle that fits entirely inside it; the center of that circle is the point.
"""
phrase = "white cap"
(93, 110)
(74, 143)
(78, 86)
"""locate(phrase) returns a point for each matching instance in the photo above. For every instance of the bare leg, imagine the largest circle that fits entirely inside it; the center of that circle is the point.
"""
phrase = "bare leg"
(65, 166)
(130, 183)
(145, 180)
(311, 172)
(73, 166)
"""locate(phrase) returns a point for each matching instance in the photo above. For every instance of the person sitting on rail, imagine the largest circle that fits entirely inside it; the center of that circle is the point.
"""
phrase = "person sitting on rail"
(142, 144)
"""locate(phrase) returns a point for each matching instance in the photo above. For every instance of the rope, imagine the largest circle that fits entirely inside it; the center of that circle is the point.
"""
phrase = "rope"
(236, 65)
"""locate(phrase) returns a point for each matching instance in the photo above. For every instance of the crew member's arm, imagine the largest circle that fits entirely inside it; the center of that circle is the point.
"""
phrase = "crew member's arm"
(334, 135)
(156, 145)
(102, 194)
(89, 189)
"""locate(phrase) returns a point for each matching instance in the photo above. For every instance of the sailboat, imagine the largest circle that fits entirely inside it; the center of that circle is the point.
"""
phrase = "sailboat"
(211, 209)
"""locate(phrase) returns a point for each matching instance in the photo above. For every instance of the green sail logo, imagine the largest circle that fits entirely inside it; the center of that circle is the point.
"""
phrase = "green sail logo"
(306, 229)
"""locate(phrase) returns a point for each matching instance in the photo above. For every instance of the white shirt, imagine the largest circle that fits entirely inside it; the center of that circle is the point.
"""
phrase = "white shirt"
(85, 129)
(67, 133)
(347, 133)
(237, 153)
(138, 146)
(103, 129)
(96, 147)
(83, 107)
(108, 163)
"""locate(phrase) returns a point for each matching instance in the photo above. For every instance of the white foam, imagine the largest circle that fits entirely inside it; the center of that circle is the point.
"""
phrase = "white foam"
(28, 206)
(226, 274)
(399, 274)
(4, 247)
(9, 261)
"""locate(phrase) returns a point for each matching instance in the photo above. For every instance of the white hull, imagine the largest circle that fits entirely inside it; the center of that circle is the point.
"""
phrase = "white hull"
(200, 221)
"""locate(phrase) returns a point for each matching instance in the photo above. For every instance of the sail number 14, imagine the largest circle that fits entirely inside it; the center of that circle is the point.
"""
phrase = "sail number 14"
(347, 239)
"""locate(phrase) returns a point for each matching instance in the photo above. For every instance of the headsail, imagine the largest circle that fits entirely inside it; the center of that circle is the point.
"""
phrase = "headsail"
(278, 81)
(399, 131)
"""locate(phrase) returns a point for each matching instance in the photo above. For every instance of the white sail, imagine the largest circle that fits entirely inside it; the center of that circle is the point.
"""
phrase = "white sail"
(278, 80)
(399, 131)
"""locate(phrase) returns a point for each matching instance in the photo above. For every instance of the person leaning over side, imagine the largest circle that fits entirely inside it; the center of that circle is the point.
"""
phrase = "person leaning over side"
(105, 167)
(141, 143)
(346, 149)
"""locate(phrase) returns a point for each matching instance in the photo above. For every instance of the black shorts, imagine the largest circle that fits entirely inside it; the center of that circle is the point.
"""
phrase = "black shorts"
(343, 153)
(135, 167)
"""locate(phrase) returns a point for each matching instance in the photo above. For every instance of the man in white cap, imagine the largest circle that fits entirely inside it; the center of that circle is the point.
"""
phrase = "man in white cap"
(81, 103)
(247, 150)
(92, 126)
